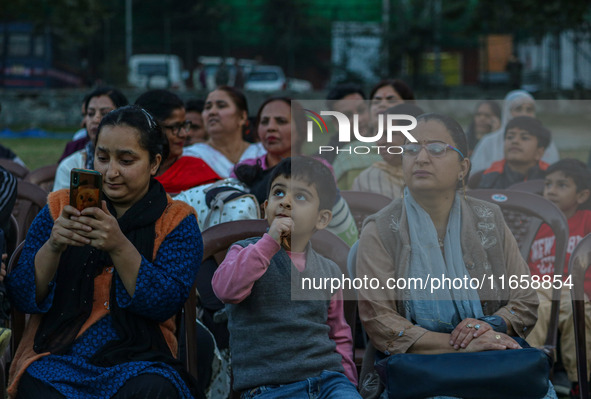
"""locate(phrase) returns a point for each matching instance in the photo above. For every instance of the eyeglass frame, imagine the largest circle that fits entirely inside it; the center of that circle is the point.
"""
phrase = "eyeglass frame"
(176, 129)
(424, 145)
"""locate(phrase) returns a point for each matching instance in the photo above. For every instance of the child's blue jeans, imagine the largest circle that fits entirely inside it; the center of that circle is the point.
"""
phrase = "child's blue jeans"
(328, 385)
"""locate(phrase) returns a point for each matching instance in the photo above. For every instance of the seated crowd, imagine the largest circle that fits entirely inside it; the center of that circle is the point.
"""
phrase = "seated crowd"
(103, 285)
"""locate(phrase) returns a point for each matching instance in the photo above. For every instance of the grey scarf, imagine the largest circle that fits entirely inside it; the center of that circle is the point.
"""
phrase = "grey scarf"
(442, 309)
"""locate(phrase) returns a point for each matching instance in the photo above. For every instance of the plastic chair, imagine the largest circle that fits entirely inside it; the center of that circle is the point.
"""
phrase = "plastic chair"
(535, 186)
(580, 261)
(43, 177)
(17, 319)
(30, 200)
(12, 238)
(19, 171)
(16, 324)
(363, 204)
(352, 268)
(524, 213)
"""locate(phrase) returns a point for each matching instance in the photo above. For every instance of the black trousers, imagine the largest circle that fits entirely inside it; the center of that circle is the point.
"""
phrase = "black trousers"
(143, 386)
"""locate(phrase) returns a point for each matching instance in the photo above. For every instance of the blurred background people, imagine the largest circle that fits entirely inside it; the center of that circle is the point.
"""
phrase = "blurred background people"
(80, 137)
(525, 142)
(486, 119)
(225, 114)
(274, 126)
(386, 94)
(197, 133)
(490, 147)
(177, 172)
(99, 103)
(385, 177)
(349, 99)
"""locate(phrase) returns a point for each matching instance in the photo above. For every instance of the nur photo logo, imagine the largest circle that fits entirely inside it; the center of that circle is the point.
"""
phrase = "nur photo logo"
(349, 131)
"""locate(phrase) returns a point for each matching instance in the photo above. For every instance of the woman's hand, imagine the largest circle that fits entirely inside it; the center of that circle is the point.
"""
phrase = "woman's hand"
(67, 230)
(466, 331)
(3, 267)
(103, 230)
(492, 340)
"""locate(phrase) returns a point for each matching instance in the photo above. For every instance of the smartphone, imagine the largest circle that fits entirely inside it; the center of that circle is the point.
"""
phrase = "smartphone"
(86, 188)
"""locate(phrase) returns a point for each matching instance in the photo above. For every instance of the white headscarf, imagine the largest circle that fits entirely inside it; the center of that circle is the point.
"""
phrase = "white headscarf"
(490, 148)
(512, 100)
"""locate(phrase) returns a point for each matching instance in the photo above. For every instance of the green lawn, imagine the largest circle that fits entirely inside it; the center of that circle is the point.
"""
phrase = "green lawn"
(36, 152)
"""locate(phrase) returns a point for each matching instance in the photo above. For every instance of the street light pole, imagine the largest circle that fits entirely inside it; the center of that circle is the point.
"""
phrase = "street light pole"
(128, 31)
(385, 38)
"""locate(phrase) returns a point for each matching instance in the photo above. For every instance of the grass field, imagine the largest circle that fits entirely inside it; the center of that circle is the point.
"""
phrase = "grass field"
(36, 152)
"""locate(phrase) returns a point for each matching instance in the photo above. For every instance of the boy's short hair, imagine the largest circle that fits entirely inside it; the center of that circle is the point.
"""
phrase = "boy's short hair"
(311, 171)
(194, 105)
(577, 171)
(533, 126)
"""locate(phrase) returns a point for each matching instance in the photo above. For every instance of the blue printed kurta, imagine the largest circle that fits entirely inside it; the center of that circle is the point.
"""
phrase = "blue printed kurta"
(161, 289)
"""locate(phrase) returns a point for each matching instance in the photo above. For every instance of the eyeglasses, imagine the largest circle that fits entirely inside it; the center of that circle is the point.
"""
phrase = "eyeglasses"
(435, 149)
(176, 128)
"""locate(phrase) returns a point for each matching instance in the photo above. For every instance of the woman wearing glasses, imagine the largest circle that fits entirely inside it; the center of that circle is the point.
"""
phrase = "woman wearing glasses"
(225, 115)
(435, 230)
(177, 172)
(98, 104)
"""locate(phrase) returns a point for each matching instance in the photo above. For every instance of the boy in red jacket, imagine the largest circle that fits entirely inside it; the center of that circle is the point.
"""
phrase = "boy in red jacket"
(568, 185)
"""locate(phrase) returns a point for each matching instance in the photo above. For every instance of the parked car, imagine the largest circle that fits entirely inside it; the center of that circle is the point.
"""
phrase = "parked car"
(266, 78)
(299, 85)
(211, 65)
(156, 71)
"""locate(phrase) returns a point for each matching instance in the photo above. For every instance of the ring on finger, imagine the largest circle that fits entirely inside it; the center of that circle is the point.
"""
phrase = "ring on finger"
(477, 327)
(469, 325)
(497, 336)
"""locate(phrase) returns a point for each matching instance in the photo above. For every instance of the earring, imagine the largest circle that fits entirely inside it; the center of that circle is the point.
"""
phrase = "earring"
(463, 185)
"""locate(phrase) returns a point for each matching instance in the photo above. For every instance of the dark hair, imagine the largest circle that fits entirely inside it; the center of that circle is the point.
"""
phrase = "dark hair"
(494, 107)
(344, 89)
(533, 126)
(86, 100)
(577, 171)
(403, 90)
(160, 103)
(118, 98)
(455, 131)
(311, 171)
(297, 116)
(237, 97)
(405, 109)
(151, 136)
(194, 105)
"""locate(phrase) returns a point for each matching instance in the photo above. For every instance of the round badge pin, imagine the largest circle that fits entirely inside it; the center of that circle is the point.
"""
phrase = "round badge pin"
(499, 197)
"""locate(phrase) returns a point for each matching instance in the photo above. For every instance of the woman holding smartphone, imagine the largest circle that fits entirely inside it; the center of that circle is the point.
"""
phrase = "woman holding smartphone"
(103, 284)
